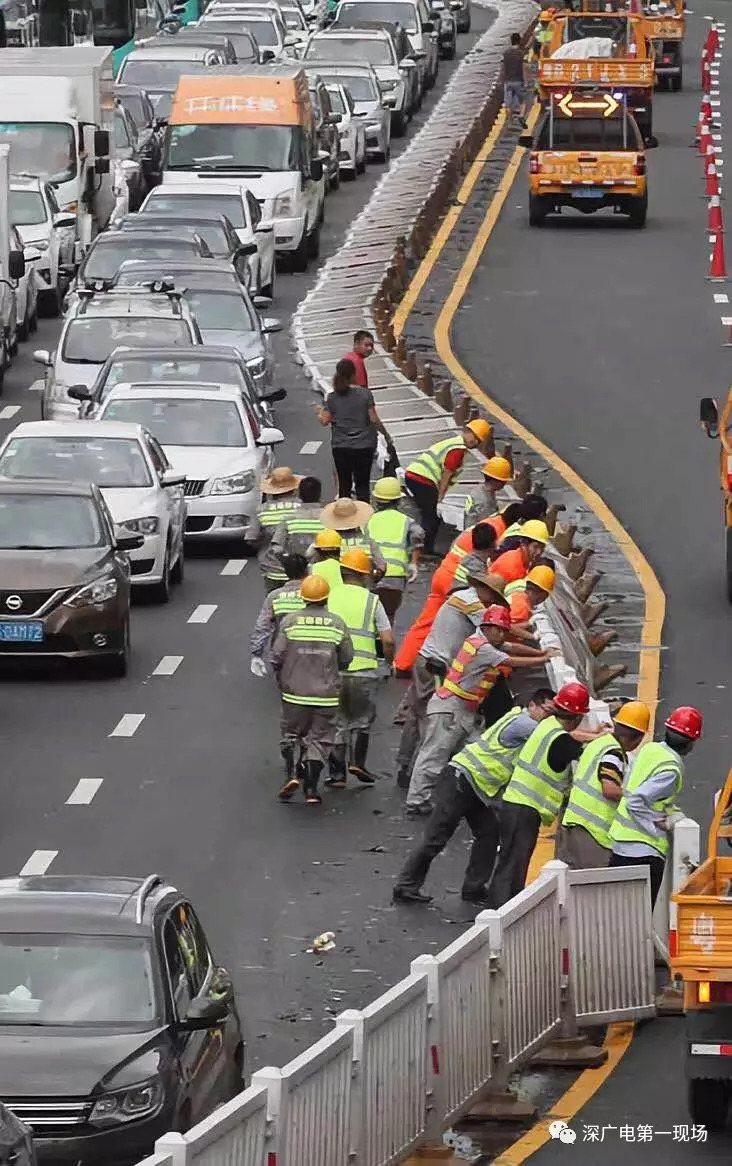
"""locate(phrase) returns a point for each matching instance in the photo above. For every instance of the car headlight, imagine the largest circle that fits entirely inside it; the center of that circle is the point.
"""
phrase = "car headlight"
(237, 484)
(283, 205)
(124, 1105)
(70, 207)
(41, 245)
(389, 86)
(257, 366)
(100, 591)
(141, 525)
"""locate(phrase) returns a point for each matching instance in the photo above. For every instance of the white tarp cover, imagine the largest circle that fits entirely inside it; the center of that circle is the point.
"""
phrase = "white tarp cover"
(582, 50)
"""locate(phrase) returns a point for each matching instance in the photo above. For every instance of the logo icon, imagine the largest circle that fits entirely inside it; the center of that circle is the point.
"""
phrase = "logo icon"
(14, 602)
(559, 1130)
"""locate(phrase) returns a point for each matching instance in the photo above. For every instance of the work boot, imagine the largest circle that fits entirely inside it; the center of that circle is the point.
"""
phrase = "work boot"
(336, 778)
(410, 895)
(358, 764)
(291, 782)
(403, 778)
(312, 797)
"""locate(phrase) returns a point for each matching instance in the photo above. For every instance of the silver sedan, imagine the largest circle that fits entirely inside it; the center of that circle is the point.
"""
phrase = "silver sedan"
(368, 101)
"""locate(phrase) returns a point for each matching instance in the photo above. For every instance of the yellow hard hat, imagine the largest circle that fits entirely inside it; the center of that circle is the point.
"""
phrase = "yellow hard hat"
(534, 529)
(634, 714)
(328, 540)
(355, 559)
(545, 14)
(314, 589)
(498, 468)
(387, 490)
(480, 428)
(542, 577)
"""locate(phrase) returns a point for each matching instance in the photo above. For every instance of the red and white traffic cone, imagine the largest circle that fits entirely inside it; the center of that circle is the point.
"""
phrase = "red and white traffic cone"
(705, 141)
(706, 76)
(717, 266)
(710, 157)
(715, 225)
(706, 109)
(712, 184)
(712, 41)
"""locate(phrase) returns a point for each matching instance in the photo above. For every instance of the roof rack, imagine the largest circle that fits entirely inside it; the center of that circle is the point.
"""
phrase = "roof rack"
(148, 885)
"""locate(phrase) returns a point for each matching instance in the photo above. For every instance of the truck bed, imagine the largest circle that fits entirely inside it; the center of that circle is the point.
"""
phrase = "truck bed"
(598, 70)
(704, 923)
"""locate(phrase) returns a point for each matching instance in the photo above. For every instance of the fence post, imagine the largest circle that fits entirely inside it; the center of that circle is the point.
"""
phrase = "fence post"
(176, 1146)
(683, 859)
(437, 1097)
(271, 1077)
(353, 1019)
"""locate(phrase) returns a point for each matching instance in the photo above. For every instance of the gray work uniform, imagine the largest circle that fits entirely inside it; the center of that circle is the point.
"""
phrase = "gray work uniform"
(289, 541)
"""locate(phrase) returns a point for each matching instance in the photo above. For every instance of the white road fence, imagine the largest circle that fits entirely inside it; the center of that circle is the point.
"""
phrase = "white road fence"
(572, 949)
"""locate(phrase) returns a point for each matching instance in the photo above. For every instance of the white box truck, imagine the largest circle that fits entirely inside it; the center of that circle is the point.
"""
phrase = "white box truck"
(12, 268)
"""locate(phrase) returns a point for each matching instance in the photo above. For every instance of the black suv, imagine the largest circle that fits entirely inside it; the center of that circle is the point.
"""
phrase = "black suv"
(116, 1025)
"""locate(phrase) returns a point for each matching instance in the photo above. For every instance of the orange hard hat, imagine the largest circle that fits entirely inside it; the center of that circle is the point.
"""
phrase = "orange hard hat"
(498, 468)
(480, 428)
(314, 589)
(542, 577)
(356, 559)
(573, 698)
(686, 720)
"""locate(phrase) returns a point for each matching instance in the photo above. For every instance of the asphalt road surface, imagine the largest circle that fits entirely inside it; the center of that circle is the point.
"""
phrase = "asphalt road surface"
(602, 339)
(191, 794)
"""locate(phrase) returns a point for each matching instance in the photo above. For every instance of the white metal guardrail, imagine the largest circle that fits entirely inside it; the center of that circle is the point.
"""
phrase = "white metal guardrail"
(572, 949)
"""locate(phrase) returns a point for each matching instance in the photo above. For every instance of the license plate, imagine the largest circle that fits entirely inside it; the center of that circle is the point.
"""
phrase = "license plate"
(21, 630)
(586, 192)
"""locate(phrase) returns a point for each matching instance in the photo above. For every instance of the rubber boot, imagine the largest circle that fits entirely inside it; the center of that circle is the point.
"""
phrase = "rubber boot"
(312, 797)
(336, 778)
(291, 782)
(358, 763)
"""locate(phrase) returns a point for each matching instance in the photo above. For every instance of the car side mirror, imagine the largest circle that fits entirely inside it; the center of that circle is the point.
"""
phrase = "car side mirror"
(709, 416)
(274, 396)
(388, 101)
(267, 56)
(64, 219)
(244, 250)
(335, 119)
(428, 26)
(264, 226)
(30, 254)
(526, 140)
(101, 144)
(205, 1012)
(130, 542)
(16, 264)
(270, 324)
(316, 170)
(261, 301)
(101, 166)
(455, 5)
(172, 478)
(408, 63)
(43, 356)
(79, 393)
(270, 436)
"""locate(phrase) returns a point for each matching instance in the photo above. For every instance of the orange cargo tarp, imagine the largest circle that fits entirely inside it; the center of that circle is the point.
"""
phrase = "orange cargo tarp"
(600, 71)
(254, 100)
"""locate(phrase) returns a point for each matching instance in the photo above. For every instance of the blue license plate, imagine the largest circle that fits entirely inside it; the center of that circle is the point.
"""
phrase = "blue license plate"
(25, 630)
(586, 192)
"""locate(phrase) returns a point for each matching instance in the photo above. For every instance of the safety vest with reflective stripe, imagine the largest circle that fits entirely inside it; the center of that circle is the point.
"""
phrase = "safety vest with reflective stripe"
(287, 599)
(390, 531)
(272, 513)
(461, 547)
(451, 685)
(307, 628)
(655, 757)
(487, 762)
(431, 463)
(533, 783)
(512, 588)
(510, 531)
(328, 569)
(587, 805)
(356, 606)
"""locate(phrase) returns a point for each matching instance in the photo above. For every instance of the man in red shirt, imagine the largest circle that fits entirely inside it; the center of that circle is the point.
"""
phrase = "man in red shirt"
(363, 346)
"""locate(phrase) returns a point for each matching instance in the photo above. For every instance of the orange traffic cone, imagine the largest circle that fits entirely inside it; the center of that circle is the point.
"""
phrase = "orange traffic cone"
(712, 184)
(717, 266)
(714, 221)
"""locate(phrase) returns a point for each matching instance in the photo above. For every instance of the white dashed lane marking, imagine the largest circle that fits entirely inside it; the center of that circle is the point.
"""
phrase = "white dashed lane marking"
(9, 411)
(84, 791)
(128, 725)
(38, 863)
(202, 613)
(721, 298)
(167, 665)
(234, 567)
(311, 447)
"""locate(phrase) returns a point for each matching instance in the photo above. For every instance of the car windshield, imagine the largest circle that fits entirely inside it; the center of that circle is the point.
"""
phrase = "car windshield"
(46, 522)
(215, 204)
(583, 27)
(263, 31)
(76, 979)
(183, 422)
(115, 462)
(244, 46)
(360, 88)
(379, 13)
(104, 258)
(26, 208)
(337, 103)
(46, 149)
(294, 19)
(132, 370)
(370, 49)
(89, 340)
(152, 73)
(215, 309)
(221, 147)
(213, 234)
(586, 133)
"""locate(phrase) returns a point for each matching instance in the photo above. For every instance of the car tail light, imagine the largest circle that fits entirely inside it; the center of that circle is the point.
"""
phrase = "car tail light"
(534, 165)
(640, 164)
(714, 992)
(665, 60)
(729, 473)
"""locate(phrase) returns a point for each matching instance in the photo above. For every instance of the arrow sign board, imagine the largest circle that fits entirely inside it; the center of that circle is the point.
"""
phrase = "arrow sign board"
(604, 103)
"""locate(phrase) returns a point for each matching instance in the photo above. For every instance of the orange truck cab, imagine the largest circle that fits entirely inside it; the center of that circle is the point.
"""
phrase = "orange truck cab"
(665, 27)
(587, 153)
(608, 50)
(718, 424)
(700, 951)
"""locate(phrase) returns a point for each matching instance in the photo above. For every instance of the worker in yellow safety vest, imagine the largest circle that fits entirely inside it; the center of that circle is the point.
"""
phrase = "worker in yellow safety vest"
(282, 500)
(295, 532)
(277, 604)
(482, 502)
(429, 476)
(400, 540)
(326, 553)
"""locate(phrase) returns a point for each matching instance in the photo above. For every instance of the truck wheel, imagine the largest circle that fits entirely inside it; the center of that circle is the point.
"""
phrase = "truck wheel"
(708, 1099)
(676, 82)
(300, 254)
(537, 210)
(729, 563)
(398, 125)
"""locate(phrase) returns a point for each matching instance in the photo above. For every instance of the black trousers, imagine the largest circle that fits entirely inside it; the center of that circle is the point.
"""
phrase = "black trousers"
(353, 467)
(425, 496)
(455, 799)
(654, 862)
(519, 832)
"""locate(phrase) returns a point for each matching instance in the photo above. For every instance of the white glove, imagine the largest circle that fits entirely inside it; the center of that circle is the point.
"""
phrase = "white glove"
(258, 667)
(412, 572)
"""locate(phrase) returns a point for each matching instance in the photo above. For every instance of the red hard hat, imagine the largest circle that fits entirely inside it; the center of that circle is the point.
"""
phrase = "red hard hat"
(573, 698)
(686, 720)
(497, 617)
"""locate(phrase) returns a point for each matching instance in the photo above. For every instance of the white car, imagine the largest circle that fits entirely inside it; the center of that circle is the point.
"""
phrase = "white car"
(26, 291)
(242, 210)
(144, 494)
(351, 130)
(265, 22)
(215, 439)
(363, 85)
(46, 230)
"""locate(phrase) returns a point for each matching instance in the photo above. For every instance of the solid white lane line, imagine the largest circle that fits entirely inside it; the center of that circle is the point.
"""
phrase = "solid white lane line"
(84, 791)
(202, 613)
(167, 665)
(9, 411)
(128, 725)
(234, 567)
(721, 298)
(38, 863)
(311, 447)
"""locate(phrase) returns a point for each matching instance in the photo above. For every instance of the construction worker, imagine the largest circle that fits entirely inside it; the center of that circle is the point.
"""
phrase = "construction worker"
(532, 506)
(400, 540)
(326, 553)
(452, 712)
(536, 789)
(482, 503)
(583, 839)
(542, 32)
(460, 615)
(276, 606)
(429, 477)
(515, 564)
(310, 650)
(640, 830)
(367, 624)
(525, 595)
(468, 788)
(296, 531)
(280, 489)
(349, 517)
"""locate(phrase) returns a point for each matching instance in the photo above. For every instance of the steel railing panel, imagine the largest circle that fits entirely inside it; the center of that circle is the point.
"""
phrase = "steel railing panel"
(531, 960)
(234, 1135)
(315, 1105)
(466, 1029)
